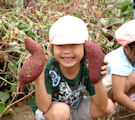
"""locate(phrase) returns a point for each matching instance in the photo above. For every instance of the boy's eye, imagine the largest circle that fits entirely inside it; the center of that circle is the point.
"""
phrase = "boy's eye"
(58, 45)
(74, 44)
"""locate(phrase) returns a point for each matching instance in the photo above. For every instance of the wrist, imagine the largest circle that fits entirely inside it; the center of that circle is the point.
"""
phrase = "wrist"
(97, 82)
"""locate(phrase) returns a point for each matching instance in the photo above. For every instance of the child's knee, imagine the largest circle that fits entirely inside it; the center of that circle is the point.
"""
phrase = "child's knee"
(110, 107)
(60, 111)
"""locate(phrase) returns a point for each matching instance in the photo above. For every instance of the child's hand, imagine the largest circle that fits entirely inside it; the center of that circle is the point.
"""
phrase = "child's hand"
(104, 69)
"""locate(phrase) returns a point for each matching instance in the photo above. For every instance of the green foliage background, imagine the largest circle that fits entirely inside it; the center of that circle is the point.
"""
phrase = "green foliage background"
(17, 19)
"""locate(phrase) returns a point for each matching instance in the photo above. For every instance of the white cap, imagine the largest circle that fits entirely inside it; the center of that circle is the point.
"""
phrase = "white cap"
(125, 34)
(68, 30)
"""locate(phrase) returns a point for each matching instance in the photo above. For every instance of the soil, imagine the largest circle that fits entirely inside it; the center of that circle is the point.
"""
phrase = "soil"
(25, 113)
(20, 113)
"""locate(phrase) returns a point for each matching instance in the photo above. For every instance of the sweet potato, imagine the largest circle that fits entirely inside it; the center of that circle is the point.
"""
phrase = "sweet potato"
(34, 65)
(95, 60)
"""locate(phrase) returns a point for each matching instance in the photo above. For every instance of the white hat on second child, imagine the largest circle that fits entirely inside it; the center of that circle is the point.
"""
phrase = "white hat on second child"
(125, 34)
(68, 30)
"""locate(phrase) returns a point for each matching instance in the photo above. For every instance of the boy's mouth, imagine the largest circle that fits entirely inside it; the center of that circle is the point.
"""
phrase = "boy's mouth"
(68, 59)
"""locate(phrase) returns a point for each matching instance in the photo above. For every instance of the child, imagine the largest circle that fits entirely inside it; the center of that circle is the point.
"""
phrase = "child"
(60, 90)
(120, 78)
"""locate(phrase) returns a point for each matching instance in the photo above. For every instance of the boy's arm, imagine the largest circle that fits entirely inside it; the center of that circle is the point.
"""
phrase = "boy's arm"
(100, 98)
(43, 99)
(101, 105)
(119, 88)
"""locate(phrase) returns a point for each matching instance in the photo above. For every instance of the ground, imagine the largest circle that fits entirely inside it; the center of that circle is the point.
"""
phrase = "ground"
(121, 114)
(22, 111)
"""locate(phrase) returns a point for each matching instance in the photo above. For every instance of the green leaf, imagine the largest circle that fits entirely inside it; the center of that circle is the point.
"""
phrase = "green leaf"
(45, 18)
(104, 21)
(13, 88)
(104, 30)
(115, 21)
(12, 67)
(4, 96)
(110, 44)
(79, 15)
(92, 35)
(15, 23)
(39, 14)
(2, 107)
(31, 86)
(19, 3)
(22, 26)
(124, 7)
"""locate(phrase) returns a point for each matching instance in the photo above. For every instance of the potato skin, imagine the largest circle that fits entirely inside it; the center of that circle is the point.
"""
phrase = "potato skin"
(34, 65)
(95, 60)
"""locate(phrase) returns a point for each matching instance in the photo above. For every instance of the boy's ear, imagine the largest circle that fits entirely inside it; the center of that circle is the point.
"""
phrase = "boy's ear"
(126, 46)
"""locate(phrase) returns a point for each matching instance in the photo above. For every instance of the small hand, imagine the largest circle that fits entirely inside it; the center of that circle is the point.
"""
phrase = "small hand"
(104, 69)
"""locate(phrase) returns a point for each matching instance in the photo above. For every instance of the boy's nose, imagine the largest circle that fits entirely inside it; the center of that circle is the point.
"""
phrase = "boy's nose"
(67, 49)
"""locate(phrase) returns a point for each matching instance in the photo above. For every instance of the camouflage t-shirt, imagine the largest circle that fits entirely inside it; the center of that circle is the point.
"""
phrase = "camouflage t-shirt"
(63, 89)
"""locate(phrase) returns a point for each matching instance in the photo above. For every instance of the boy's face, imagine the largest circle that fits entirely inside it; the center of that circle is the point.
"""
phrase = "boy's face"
(68, 55)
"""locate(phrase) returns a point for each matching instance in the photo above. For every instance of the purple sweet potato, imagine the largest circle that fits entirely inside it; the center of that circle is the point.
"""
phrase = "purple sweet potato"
(34, 65)
(95, 60)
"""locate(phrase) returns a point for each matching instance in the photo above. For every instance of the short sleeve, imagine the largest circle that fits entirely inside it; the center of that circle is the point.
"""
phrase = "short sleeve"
(123, 70)
(48, 81)
(118, 63)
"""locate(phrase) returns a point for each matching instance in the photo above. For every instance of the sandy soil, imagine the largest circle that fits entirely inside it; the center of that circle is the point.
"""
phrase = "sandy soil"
(24, 112)
(21, 113)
